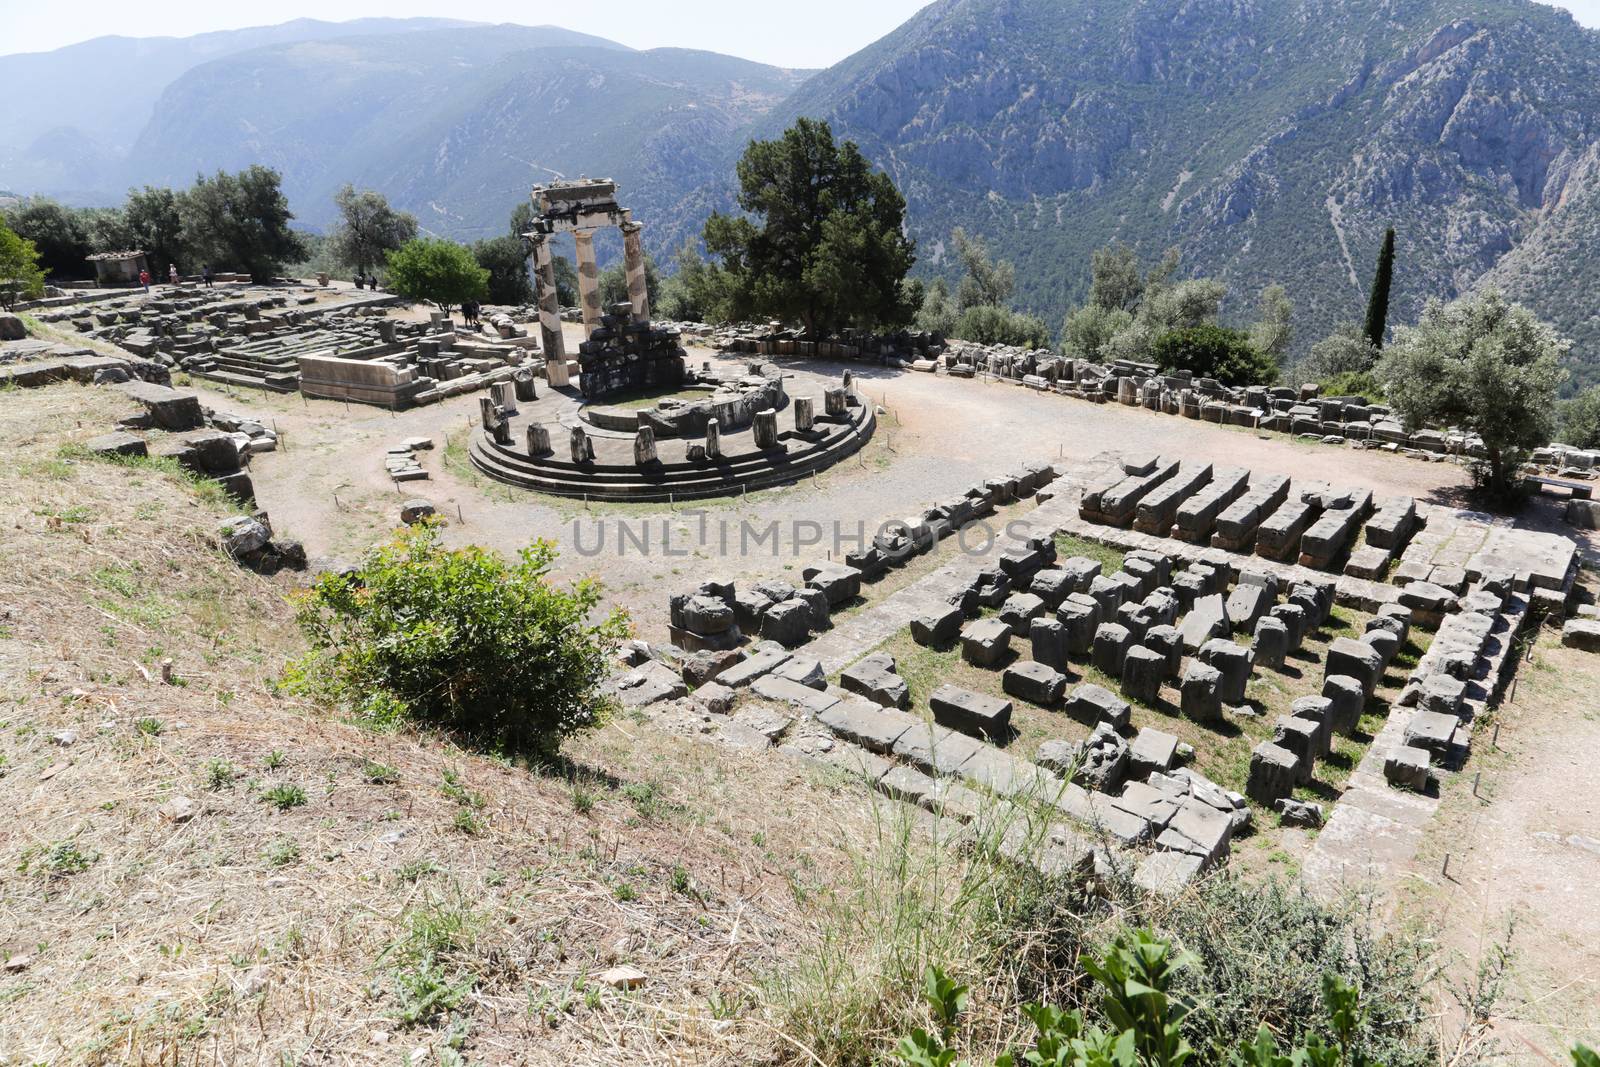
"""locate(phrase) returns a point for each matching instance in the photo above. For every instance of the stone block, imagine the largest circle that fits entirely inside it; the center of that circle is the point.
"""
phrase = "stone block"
(1293, 617)
(650, 683)
(1303, 737)
(877, 681)
(1165, 640)
(1052, 586)
(796, 694)
(985, 642)
(1143, 671)
(1247, 604)
(117, 443)
(1355, 659)
(744, 673)
(1581, 634)
(1111, 643)
(1096, 704)
(1233, 662)
(1408, 768)
(1200, 694)
(866, 724)
(838, 582)
(1208, 619)
(1433, 731)
(1048, 641)
(1152, 750)
(1034, 682)
(1080, 615)
(788, 622)
(1270, 644)
(1346, 702)
(969, 712)
(1320, 711)
(1274, 772)
(1020, 609)
(936, 628)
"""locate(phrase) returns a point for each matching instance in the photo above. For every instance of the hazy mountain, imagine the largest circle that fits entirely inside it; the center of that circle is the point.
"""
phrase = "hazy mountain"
(457, 124)
(1270, 140)
(72, 113)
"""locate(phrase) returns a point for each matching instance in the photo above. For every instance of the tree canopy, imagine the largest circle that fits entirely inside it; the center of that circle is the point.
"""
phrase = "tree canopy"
(822, 240)
(986, 282)
(1486, 365)
(20, 275)
(433, 269)
(368, 228)
(507, 266)
(240, 221)
(1211, 351)
(58, 234)
(1378, 298)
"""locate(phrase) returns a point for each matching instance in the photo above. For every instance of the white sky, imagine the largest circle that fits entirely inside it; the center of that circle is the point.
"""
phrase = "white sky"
(793, 33)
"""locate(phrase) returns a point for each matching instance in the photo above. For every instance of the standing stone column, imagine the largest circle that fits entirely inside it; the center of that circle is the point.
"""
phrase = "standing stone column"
(644, 446)
(538, 439)
(544, 279)
(833, 401)
(582, 447)
(766, 429)
(805, 413)
(588, 280)
(633, 263)
(713, 439)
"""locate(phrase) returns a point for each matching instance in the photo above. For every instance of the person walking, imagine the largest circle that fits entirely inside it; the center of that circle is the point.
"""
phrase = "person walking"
(205, 275)
(172, 273)
(144, 280)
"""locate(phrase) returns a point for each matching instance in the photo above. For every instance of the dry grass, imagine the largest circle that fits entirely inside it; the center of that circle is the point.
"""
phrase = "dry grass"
(334, 882)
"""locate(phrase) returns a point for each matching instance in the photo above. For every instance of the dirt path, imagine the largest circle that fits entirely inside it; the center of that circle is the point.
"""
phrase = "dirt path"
(1525, 851)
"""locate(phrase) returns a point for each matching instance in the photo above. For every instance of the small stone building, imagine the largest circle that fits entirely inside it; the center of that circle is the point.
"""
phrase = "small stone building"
(118, 268)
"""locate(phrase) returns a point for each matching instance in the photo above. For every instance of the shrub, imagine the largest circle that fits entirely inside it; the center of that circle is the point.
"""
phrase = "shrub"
(1136, 979)
(1209, 351)
(462, 639)
(431, 268)
(986, 324)
(1353, 383)
(1580, 419)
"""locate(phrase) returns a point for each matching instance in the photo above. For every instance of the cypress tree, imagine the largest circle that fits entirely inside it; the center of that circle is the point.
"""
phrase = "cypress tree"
(1378, 301)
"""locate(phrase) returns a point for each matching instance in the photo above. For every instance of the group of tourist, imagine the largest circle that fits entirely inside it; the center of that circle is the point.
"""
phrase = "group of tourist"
(370, 281)
(172, 276)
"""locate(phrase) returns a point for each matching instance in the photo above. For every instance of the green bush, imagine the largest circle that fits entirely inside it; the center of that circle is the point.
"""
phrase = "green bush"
(1209, 351)
(462, 639)
(986, 324)
(440, 271)
(1580, 419)
(1136, 979)
(1353, 383)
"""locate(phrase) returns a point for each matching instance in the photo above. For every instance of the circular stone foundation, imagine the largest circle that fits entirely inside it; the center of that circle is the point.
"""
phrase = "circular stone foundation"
(680, 471)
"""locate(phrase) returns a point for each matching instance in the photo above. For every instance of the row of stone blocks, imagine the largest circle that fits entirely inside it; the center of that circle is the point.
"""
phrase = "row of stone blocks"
(1352, 673)
(1330, 419)
(716, 616)
(1227, 507)
(1187, 819)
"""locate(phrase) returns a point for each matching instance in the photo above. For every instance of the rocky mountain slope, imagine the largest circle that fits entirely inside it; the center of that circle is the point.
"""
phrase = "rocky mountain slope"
(1268, 140)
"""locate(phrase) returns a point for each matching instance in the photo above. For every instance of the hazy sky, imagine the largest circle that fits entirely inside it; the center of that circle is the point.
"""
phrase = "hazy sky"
(793, 33)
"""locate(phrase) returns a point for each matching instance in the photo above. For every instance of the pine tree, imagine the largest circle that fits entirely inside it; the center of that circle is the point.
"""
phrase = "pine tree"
(1378, 302)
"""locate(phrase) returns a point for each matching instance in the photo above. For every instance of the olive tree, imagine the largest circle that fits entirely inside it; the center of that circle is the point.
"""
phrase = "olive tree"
(1486, 365)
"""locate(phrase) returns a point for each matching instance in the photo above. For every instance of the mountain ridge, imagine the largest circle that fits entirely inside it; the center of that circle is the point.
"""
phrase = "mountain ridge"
(1269, 142)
